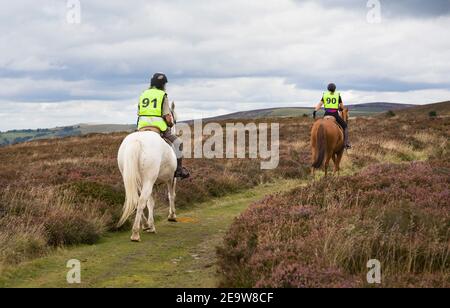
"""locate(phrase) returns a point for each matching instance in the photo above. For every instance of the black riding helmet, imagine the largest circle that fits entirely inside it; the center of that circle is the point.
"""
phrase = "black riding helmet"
(332, 87)
(158, 81)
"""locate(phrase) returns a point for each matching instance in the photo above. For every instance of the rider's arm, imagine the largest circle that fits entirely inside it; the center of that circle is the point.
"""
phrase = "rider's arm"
(319, 105)
(167, 114)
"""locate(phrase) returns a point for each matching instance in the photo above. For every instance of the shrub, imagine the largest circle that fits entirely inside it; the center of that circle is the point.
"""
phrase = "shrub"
(432, 114)
(390, 114)
(20, 241)
(331, 228)
(33, 220)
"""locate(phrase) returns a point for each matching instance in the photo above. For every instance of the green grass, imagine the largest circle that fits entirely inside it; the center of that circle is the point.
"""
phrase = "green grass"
(179, 255)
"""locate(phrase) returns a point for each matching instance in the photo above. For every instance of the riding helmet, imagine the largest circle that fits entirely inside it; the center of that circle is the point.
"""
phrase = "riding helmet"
(158, 80)
(332, 87)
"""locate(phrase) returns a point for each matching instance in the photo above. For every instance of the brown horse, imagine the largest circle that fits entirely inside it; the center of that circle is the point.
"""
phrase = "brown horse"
(327, 142)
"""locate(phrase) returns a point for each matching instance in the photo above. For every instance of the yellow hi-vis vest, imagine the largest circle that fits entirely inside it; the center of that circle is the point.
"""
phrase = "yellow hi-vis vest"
(150, 109)
(331, 100)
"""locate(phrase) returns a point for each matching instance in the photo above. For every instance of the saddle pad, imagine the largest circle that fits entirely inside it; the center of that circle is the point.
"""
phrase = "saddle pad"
(331, 118)
(150, 129)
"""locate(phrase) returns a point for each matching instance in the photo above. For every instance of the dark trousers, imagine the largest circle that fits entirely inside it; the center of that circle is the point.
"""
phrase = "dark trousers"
(339, 120)
(175, 142)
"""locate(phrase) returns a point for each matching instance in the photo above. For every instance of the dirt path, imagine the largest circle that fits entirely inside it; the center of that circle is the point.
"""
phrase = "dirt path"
(179, 255)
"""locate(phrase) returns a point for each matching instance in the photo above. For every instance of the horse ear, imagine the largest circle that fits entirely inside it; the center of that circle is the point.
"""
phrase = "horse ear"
(173, 106)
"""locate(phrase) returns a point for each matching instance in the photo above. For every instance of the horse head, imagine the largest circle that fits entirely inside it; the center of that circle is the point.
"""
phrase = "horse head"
(345, 114)
(174, 115)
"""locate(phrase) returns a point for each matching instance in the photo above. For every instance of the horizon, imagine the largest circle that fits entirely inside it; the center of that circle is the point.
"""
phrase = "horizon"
(217, 116)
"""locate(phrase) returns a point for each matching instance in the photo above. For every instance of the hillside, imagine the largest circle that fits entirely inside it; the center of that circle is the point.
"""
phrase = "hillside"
(441, 109)
(368, 109)
(19, 136)
(67, 192)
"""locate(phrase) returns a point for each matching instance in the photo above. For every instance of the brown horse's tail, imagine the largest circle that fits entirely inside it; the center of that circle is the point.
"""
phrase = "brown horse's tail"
(320, 147)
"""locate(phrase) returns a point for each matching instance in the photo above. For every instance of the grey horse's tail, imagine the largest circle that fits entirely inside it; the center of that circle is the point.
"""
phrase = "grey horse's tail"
(131, 180)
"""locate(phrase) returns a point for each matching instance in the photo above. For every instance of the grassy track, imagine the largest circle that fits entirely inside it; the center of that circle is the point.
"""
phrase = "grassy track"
(179, 255)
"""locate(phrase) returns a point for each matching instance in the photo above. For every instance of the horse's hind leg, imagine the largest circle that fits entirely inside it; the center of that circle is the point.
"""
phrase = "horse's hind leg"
(337, 162)
(327, 162)
(150, 223)
(172, 188)
(145, 196)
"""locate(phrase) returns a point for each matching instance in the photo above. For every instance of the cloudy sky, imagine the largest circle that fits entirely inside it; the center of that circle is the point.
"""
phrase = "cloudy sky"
(220, 56)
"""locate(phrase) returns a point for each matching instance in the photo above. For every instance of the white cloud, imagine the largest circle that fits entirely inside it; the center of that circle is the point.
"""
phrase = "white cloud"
(220, 56)
(42, 115)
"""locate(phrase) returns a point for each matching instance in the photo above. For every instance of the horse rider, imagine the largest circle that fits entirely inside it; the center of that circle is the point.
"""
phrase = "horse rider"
(332, 102)
(154, 114)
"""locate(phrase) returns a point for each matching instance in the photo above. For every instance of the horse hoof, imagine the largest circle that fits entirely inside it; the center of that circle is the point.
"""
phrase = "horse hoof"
(150, 230)
(172, 219)
(135, 238)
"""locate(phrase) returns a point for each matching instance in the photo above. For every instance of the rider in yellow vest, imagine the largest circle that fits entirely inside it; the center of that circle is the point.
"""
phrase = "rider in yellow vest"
(154, 111)
(332, 102)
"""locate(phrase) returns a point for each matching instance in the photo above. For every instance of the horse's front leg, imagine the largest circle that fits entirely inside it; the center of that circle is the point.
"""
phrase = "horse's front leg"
(171, 188)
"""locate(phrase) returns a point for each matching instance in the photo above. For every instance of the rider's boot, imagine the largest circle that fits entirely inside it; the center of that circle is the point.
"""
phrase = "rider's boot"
(346, 142)
(181, 171)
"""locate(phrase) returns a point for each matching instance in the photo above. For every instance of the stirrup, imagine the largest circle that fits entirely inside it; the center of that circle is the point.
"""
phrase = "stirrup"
(182, 173)
(348, 146)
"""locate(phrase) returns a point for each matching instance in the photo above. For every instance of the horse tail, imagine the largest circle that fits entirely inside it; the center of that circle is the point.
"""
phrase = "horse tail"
(131, 179)
(321, 147)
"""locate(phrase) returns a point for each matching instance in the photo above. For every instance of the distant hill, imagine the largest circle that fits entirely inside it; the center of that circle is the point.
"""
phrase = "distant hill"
(441, 109)
(19, 136)
(355, 110)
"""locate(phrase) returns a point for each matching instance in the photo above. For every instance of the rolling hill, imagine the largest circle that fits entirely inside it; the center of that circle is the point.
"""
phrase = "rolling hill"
(19, 136)
(356, 110)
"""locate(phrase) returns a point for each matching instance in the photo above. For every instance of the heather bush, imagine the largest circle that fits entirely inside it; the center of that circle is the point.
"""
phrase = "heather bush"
(323, 235)
(33, 220)
(107, 199)
(69, 191)
(20, 241)
(390, 113)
